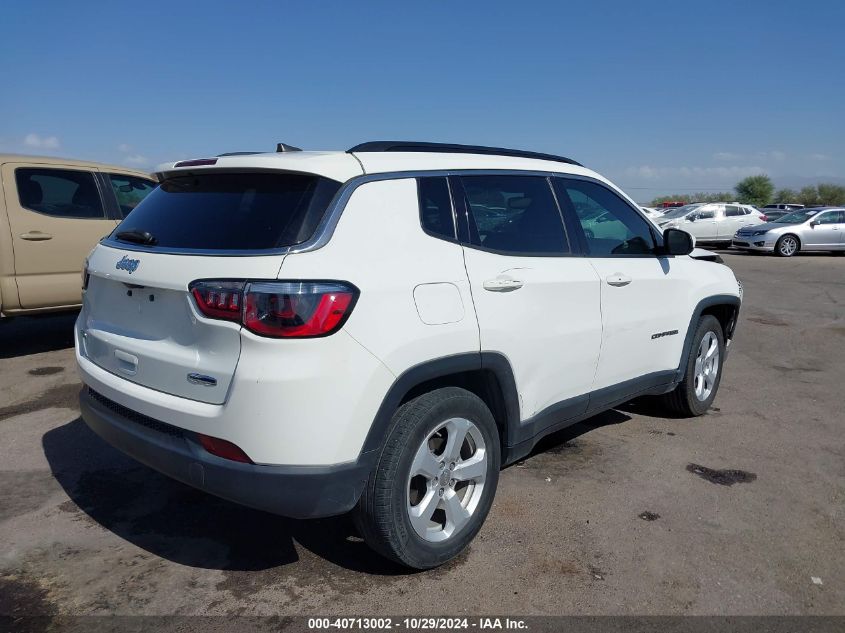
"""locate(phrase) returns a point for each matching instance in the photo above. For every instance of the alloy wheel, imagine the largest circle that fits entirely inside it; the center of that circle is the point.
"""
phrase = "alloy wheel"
(706, 366)
(446, 480)
(788, 246)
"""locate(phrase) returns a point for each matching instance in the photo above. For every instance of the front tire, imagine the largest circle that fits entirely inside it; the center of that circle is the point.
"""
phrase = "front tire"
(787, 246)
(435, 480)
(703, 372)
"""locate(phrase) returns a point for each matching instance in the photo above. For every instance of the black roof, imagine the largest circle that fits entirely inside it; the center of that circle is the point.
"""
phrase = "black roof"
(453, 148)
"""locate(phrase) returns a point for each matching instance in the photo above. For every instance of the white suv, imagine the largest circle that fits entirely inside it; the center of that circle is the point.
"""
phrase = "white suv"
(381, 330)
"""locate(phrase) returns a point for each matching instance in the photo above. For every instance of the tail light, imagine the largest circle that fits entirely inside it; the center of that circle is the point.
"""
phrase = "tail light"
(219, 299)
(764, 217)
(278, 309)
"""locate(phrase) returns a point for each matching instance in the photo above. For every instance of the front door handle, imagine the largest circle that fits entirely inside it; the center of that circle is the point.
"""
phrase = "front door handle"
(36, 236)
(617, 280)
(502, 284)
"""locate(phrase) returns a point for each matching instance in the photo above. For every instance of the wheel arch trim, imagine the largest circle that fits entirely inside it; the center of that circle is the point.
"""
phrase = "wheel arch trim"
(712, 301)
(494, 362)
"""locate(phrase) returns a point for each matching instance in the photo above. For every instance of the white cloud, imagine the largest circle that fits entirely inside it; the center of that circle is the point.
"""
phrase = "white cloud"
(694, 174)
(41, 142)
(124, 148)
(772, 155)
(136, 159)
(726, 156)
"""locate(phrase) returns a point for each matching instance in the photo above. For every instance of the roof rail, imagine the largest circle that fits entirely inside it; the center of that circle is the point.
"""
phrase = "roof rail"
(236, 154)
(453, 148)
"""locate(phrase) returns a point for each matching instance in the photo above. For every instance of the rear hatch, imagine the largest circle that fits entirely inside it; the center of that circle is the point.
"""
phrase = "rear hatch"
(140, 321)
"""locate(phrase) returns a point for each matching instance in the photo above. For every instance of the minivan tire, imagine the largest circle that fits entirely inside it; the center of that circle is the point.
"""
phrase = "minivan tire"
(689, 398)
(383, 513)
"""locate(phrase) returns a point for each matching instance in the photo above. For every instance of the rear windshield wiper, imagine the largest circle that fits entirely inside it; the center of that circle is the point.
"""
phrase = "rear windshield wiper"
(138, 237)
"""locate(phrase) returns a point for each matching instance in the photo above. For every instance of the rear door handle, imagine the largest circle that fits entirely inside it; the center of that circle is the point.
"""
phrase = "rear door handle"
(502, 284)
(617, 280)
(36, 236)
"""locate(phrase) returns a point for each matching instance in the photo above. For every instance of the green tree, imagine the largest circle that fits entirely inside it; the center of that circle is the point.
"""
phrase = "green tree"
(695, 197)
(785, 195)
(829, 194)
(808, 196)
(756, 190)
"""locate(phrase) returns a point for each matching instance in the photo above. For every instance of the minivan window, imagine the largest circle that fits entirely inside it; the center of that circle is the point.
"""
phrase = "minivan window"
(232, 211)
(436, 207)
(516, 215)
(129, 191)
(611, 227)
(62, 193)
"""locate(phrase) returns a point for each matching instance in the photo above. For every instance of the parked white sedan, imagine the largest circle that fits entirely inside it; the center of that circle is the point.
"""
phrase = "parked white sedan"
(711, 223)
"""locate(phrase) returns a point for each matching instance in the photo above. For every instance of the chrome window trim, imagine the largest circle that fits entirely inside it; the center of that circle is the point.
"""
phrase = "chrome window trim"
(325, 229)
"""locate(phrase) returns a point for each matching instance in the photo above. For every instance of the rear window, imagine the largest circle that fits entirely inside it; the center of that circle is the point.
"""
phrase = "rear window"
(232, 211)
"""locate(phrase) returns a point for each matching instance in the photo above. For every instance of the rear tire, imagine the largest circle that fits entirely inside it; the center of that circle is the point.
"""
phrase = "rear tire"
(428, 495)
(703, 372)
(787, 246)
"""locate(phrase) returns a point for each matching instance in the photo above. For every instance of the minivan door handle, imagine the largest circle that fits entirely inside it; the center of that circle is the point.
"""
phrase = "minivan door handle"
(36, 236)
(502, 283)
(617, 280)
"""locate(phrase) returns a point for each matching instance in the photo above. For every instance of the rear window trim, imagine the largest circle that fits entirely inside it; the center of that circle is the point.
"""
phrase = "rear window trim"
(164, 176)
(325, 229)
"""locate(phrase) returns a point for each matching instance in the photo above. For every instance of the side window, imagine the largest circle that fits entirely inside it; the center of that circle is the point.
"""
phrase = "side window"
(515, 214)
(610, 225)
(436, 207)
(831, 217)
(62, 193)
(129, 191)
(734, 211)
(706, 213)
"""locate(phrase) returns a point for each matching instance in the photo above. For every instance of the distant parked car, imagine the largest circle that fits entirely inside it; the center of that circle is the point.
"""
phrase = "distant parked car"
(775, 211)
(819, 229)
(711, 223)
(53, 211)
(652, 212)
(780, 206)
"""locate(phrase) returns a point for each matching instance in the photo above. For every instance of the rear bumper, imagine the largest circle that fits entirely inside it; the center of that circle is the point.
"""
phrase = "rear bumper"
(292, 491)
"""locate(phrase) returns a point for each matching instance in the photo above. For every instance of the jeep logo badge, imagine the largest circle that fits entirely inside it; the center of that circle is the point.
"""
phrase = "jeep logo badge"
(129, 265)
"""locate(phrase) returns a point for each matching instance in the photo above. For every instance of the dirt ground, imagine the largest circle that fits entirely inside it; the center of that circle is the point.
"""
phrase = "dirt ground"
(628, 513)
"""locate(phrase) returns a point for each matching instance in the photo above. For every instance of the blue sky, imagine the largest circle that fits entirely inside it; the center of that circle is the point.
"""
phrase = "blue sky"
(659, 96)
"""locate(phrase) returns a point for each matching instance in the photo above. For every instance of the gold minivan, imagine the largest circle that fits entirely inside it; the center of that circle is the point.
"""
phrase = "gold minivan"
(52, 213)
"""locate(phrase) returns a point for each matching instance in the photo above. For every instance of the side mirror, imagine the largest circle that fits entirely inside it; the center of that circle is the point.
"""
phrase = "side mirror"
(677, 242)
(692, 218)
(813, 224)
